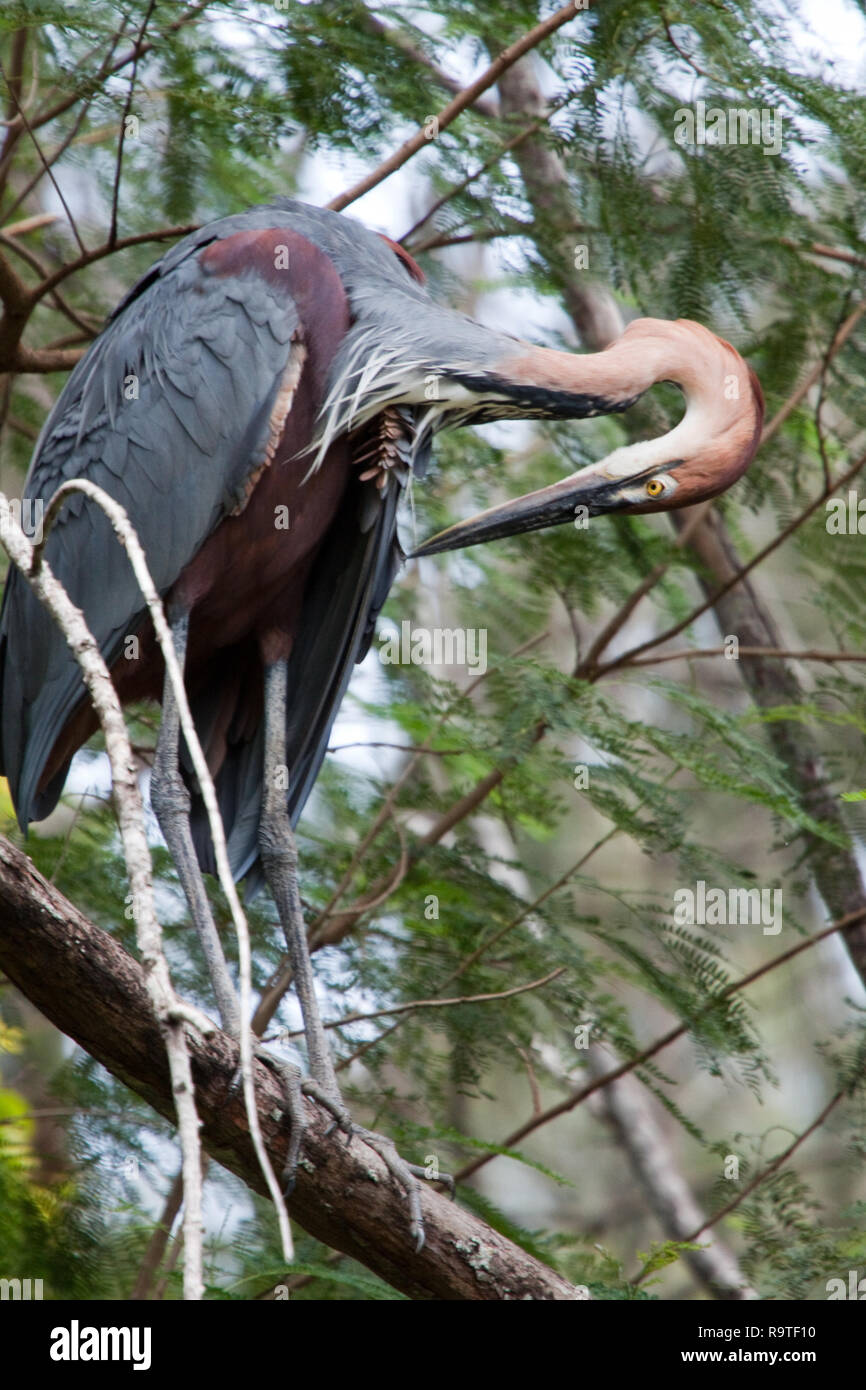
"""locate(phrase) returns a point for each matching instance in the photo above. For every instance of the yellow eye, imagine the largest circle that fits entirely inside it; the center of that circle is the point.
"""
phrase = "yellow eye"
(655, 487)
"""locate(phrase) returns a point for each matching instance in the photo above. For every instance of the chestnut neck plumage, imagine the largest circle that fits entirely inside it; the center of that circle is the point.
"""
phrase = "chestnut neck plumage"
(719, 432)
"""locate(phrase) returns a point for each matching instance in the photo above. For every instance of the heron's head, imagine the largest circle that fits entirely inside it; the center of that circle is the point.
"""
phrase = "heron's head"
(704, 454)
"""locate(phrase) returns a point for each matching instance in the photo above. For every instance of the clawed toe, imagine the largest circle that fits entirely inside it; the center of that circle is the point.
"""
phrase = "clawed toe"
(407, 1175)
(342, 1120)
(445, 1178)
(293, 1097)
(404, 1173)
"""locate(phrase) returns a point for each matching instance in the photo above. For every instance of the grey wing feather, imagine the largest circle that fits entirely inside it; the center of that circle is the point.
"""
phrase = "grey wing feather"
(158, 415)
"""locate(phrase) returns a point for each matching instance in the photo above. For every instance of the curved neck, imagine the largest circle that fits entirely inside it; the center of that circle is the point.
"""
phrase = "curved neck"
(720, 429)
(712, 375)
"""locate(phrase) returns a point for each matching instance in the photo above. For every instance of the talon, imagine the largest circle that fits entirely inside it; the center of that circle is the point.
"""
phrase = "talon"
(293, 1107)
(406, 1174)
(341, 1117)
(445, 1178)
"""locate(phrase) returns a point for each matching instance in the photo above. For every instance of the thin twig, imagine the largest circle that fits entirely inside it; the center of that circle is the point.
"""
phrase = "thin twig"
(476, 173)
(156, 1245)
(819, 248)
(100, 252)
(49, 160)
(787, 531)
(171, 1012)
(129, 540)
(490, 941)
(466, 98)
(136, 52)
(819, 404)
(841, 336)
(777, 653)
(417, 55)
(578, 1096)
(47, 167)
(433, 1004)
(588, 664)
(771, 1167)
(115, 197)
(30, 224)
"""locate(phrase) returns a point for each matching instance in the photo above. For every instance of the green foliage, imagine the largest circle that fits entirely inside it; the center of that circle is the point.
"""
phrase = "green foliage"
(688, 779)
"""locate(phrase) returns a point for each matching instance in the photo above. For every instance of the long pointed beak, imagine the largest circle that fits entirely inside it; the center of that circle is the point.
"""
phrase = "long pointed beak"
(535, 511)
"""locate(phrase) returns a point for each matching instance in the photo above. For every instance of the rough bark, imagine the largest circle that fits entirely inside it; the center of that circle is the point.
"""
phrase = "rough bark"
(90, 988)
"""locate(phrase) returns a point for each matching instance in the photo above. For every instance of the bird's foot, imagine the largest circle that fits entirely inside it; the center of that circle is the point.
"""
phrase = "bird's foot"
(295, 1109)
(333, 1102)
(293, 1103)
(407, 1175)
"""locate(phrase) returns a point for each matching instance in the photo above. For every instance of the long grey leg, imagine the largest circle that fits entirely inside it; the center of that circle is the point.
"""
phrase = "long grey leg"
(279, 857)
(171, 803)
(280, 863)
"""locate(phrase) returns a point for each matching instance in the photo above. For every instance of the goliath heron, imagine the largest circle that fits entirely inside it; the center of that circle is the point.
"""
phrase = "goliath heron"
(258, 403)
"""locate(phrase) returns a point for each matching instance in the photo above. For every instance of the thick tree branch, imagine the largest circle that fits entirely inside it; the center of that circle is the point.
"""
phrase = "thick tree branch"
(90, 988)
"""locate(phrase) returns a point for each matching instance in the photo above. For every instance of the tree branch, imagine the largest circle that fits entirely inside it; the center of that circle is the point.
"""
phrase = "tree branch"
(398, 39)
(16, 126)
(762, 653)
(412, 1004)
(90, 988)
(771, 1168)
(127, 106)
(47, 166)
(740, 572)
(582, 1093)
(466, 98)
(19, 301)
